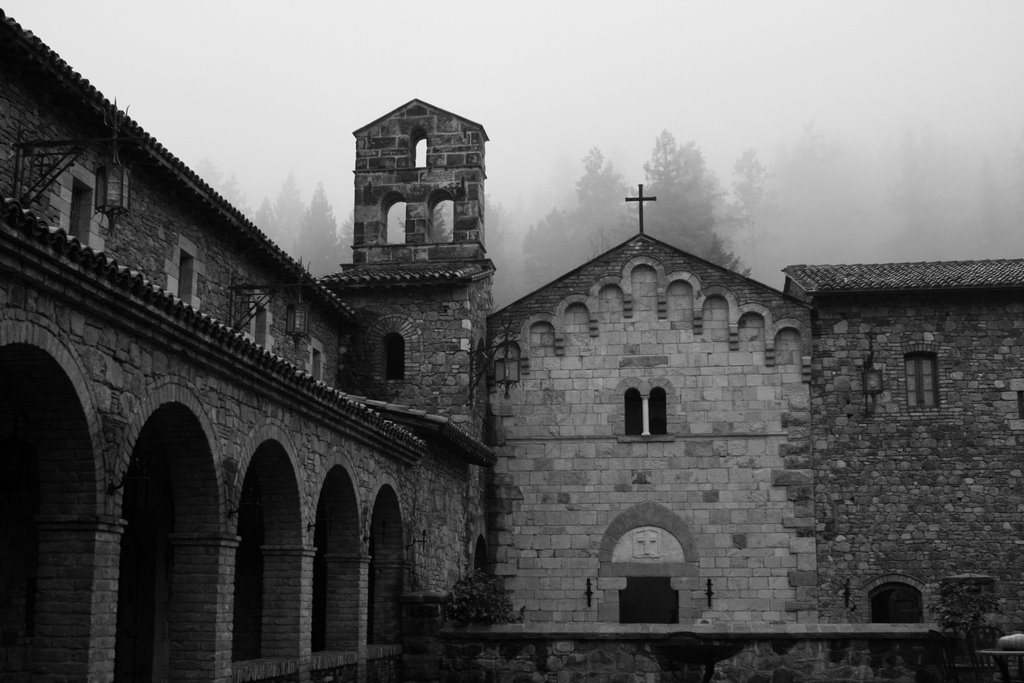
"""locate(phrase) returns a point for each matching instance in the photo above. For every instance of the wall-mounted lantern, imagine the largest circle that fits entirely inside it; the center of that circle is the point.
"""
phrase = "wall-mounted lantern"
(39, 163)
(872, 380)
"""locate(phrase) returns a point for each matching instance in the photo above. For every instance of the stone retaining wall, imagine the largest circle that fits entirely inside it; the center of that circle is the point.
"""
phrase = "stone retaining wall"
(790, 653)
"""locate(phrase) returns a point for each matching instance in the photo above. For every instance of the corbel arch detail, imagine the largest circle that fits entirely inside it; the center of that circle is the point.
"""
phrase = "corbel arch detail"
(627, 272)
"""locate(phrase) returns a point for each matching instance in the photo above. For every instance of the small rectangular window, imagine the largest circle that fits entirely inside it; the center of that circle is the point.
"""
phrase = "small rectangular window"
(81, 211)
(186, 270)
(260, 326)
(922, 383)
(316, 363)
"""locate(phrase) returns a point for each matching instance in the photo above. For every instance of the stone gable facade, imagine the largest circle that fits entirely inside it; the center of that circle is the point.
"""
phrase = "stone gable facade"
(721, 490)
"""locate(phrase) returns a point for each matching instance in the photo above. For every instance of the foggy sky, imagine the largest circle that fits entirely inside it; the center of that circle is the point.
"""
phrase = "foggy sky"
(264, 88)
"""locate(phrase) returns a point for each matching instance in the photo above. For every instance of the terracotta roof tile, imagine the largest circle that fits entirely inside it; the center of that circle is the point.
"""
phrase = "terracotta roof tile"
(50, 62)
(880, 277)
(408, 274)
(96, 264)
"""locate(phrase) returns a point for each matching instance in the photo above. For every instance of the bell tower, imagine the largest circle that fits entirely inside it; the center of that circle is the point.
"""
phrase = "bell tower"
(441, 188)
(421, 282)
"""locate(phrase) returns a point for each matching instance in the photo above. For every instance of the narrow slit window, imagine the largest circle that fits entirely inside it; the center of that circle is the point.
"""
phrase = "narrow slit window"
(634, 413)
(186, 271)
(658, 411)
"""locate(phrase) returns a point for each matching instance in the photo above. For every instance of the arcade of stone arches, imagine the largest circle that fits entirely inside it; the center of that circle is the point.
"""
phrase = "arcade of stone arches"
(205, 565)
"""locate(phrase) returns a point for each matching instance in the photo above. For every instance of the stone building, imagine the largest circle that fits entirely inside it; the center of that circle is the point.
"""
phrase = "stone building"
(646, 457)
(187, 494)
(216, 467)
(917, 405)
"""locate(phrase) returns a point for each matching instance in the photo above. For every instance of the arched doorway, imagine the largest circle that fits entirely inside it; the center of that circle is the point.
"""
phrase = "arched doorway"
(269, 556)
(337, 566)
(895, 603)
(386, 577)
(168, 487)
(49, 480)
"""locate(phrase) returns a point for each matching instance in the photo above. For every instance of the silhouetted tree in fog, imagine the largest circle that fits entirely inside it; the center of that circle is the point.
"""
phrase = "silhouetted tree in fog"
(317, 244)
(688, 194)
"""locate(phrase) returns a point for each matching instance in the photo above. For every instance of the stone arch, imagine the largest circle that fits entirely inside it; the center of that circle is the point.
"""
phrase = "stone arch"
(788, 346)
(644, 291)
(772, 330)
(271, 550)
(653, 526)
(636, 261)
(208, 474)
(895, 598)
(574, 317)
(51, 514)
(46, 347)
(527, 348)
(440, 210)
(680, 294)
(337, 564)
(720, 291)
(647, 514)
(375, 347)
(389, 222)
(170, 496)
(387, 568)
(751, 327)
(611, 302)
(717, 321)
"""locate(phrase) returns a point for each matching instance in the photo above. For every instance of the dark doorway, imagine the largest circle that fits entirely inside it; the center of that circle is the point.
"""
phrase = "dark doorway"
(648, 600)
(896, 603)
(142, 651)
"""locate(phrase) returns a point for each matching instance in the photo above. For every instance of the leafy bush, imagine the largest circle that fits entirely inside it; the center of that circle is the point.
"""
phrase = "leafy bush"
(478, 598)
(961, 606)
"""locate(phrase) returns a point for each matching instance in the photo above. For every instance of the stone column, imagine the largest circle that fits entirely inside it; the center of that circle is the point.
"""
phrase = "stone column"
(287, 603)
(646, 399)
(346, 601)
(388, 585)
(422, 619)
(201, 618)
(76, 598)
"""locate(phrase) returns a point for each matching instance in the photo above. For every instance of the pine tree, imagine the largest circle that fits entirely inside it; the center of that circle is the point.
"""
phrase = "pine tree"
(317, 243)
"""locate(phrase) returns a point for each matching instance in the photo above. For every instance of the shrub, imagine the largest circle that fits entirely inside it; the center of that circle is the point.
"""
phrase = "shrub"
(478, 598)
(961, 606)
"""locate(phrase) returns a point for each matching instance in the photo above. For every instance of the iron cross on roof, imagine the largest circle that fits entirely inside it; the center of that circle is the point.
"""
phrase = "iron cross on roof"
(641, 199)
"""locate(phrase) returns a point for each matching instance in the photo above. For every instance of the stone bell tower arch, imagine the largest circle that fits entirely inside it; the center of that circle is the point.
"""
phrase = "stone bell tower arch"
(387, 173)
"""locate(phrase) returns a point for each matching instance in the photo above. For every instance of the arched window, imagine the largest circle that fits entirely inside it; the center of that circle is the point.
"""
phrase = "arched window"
(542, 339)
(895, 603)
(634, 413)
(480, 554)
(658, 411)
(442, 221)
(394, 356)
(418, 143)
(395, 212)
(922, 387)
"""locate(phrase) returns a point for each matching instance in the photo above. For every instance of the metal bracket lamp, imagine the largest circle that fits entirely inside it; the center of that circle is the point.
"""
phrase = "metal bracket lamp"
(39, 163)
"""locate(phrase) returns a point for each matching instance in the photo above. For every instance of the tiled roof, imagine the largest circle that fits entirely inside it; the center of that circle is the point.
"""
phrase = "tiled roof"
(408, 274)
(135, 285)
(880, 277)
(421, 422)
(16, 37)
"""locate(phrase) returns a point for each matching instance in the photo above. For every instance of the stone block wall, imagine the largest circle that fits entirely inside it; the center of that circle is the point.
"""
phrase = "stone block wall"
(914, 494)
(728, 484)
(440, 325)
